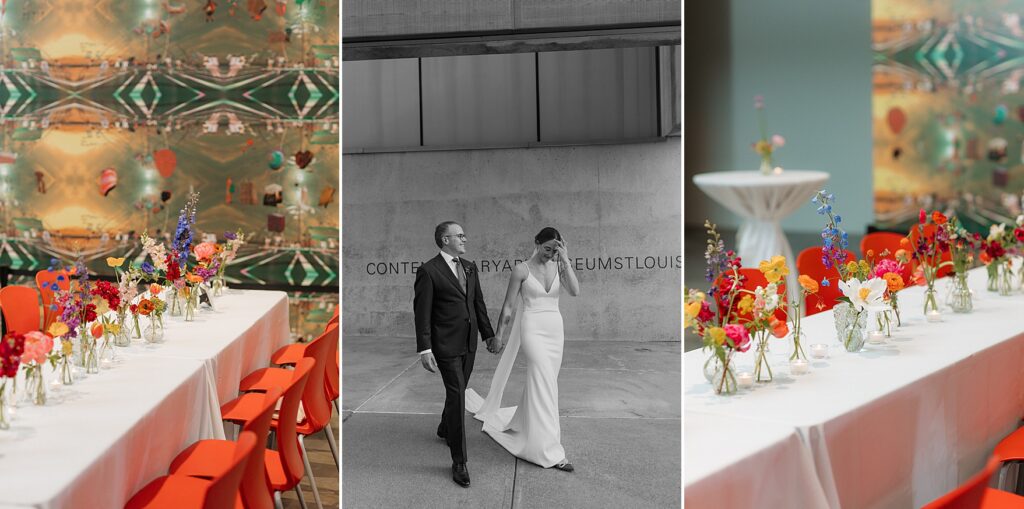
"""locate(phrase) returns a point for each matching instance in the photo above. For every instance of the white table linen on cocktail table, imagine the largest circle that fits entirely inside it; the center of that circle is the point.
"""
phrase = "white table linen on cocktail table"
(763, 201)
(896, 425)
(777, 469)
(119, 429)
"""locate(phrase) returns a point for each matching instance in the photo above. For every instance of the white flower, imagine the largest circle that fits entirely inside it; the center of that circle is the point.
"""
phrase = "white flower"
(864, 294)
(1020, 220)
(767, 297)
(996, 231)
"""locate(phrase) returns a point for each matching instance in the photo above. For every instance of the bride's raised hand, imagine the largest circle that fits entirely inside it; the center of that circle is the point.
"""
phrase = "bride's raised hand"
(560, 248)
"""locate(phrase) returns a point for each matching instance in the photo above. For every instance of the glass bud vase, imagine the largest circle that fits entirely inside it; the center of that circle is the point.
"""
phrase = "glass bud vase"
(850, 325)
(122, 337)
(766, 165)
(107, 354)
(931, 301)
(191, 302)
(959, 299)
(3, 406)
(218, 285)
(154, 332)
(92, 360)
(34, 386)
(175, 307)
(66, 373)
(720, 375)
(1004, 279)
(762, 370)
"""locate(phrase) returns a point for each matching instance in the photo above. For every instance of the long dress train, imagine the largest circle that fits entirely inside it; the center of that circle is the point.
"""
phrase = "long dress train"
(529, 430)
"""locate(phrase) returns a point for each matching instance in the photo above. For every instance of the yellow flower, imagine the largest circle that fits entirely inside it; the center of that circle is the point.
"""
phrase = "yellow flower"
(102, 306)
(115, 262)
(851, 267)
(692, 310)
(66, 347)
(717, 335)
(746, 304)
(774, 269)
(864, 267)
(58, 329)
(113, 328)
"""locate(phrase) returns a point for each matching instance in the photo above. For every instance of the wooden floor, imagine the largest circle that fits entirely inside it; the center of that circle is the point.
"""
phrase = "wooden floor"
(324, 469)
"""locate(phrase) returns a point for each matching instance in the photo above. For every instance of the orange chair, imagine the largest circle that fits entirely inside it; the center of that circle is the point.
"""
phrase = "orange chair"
(284, 467)
(975, 493)
(179, 491)
(289, 355)
(809, 262)
(205, 458)
(20, 306)
(315, 402)
(45, 279)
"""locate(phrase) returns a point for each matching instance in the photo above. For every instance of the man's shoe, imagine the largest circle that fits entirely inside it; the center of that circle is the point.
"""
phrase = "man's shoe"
(440, 431)
(565, 466)
(460, 474)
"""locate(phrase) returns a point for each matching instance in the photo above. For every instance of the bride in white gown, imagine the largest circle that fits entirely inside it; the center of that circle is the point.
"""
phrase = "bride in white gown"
(530, 430)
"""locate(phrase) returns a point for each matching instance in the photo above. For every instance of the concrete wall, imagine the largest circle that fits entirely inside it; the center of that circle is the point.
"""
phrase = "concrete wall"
(811, 59)
(618, 202)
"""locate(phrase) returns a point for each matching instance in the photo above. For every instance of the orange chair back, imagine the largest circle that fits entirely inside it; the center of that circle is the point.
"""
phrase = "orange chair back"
(288, 440)
(880, 242)
(334, 317)
(809, 263)
(315, 403)
(223, 489)
(753, 278)
(969, 494)
(255, 490)
(20, 305)
(333, 369)
(45, 279)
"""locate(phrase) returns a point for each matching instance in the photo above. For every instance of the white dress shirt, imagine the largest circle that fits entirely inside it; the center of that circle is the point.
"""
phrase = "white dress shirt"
(450, 260)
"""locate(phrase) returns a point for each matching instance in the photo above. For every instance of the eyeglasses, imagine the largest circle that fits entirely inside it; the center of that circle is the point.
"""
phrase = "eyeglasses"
(461, 236)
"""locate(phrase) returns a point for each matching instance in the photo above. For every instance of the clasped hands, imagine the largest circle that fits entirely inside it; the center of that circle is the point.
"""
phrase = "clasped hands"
(494, 345)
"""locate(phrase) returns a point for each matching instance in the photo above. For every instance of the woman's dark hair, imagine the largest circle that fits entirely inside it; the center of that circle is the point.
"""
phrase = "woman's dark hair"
(547, 234)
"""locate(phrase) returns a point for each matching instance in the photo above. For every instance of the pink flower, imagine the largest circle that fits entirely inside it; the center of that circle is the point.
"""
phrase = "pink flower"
(922, 217)
(887, 265)
(739, 336)
(778, 141)
(205, 251)
(37, 346)
(759, 102)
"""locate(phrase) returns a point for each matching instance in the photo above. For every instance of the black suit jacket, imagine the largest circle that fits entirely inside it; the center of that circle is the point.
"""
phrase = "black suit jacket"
(447, 319)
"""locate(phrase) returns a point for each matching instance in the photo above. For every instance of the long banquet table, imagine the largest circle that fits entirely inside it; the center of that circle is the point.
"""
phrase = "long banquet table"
(895, 425)
(99, 440)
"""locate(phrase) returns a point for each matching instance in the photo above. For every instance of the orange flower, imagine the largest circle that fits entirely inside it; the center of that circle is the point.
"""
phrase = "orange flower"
(901, 256)
(97, 330)
(984, 257)
(145, 307)
(155, 289)
(871, 253)
(905, 243)
(938, 218)
(779, 327)
(192, 278)
(894, 281)
(808, 283)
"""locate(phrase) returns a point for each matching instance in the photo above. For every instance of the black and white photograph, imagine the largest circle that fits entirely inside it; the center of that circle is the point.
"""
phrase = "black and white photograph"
(511, 254)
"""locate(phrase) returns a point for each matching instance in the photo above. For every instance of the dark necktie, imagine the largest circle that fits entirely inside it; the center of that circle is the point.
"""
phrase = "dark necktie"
(459, 273)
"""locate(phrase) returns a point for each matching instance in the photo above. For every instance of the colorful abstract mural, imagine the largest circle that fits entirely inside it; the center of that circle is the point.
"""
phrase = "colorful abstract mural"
(112, 112)
(948, 110)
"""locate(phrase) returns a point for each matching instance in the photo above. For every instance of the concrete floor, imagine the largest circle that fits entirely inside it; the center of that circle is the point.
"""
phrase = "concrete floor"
(695, 241)
(620, 409)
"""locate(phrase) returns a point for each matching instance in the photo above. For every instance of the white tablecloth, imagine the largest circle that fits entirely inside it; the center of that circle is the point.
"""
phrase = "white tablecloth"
(763, 201)
(777, 468)
(895, 425)
(98, 441)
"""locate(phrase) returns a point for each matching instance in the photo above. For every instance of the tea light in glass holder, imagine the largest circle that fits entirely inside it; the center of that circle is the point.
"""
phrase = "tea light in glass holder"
(745, 379)
(799, 367)
(819, 351)
(934, 316)
(876, 337)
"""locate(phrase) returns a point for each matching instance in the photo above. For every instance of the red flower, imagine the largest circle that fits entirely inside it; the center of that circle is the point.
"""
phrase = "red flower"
(108, 292)
(705, 314)
(922, 217)
(90, 312)
(995, 250)
(1019, 233)
(11, 348)
(132, 308)
(938, 218)
(173, 271)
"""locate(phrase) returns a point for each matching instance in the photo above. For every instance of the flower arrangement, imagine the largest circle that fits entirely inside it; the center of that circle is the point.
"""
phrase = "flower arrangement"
(38, 348)
(962, 246)
(929, 240)
(760, 309)
(765, 146)
(722, 337)
(890, 271)
(996, 257)
(12, 346)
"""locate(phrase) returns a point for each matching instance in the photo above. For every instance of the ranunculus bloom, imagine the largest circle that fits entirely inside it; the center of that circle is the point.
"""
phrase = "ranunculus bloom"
(779, 327)
(155, 289)
(205, 250)
(886, 266)
(37, 346)
(808, 283)
(893, 281)
(739, 335)
(905, 243)
(938, 218)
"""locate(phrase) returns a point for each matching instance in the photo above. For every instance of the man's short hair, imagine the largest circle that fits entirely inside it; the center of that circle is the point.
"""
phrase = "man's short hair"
(440, 231)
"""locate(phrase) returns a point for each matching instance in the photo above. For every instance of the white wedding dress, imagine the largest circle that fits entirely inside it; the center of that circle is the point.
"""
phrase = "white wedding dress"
(529, 430)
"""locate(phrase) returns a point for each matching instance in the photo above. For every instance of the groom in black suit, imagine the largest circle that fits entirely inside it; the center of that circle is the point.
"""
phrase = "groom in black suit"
(450, 312)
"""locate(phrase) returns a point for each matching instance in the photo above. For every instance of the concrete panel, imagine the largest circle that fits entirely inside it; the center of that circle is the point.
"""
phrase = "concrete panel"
(369, 364)
(532, 14)
(396, 18)
(616, 205)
